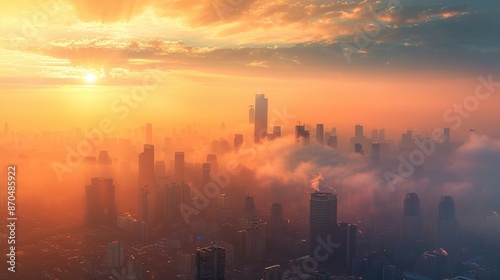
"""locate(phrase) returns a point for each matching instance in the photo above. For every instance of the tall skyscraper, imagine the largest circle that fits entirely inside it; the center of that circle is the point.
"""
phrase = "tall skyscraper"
(301, 134)
(358, 133)
(255, 241)
(376, 153)
(381, 135)
(160, 171)
(276, 131)
(251, 114)
(331, 141)
(114, 255)
(100, 205)
(322, 219)
(210, 263)
(345, 236)
(212, 159)
(104, 158)
(149, 133)
(320, 133)
(249, 210)
(147, 167)
(205, 174)
(412, 220)
(180, 167)
(260, 127)
(447, 223)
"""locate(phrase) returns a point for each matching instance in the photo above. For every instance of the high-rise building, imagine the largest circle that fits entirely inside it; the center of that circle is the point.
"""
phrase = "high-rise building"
(322, 219)
(260, 126)
(149, 133)
(358, 148)
(412, 220)
(276, 226)
(146, 167)
(358, 133)
(301, 134)
(375, 135)
(345, 236)
(249, 210)
(100, 205)
(255, 240)
(447, 223)
(205, 174)
(210, 263)
(331, 141)
(376, 153)
(104, 158)
(114, 255)
(238, 141)
(435, 265)
(212, 159)
(172, 197)
(381, 135)
(320, 133)
(180, 167)
(160, 171)
(251, 114)
(272, 272)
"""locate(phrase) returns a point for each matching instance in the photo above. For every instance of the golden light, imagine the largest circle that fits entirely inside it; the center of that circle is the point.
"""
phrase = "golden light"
(90, 78)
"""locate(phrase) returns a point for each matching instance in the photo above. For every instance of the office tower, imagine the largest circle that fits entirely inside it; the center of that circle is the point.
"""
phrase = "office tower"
(447, 223)
(322, 219)
(104, 158)
(358, 133)
(334, 131)
(224, 146)
(238, 141)
(345, 236)
(276, 226)
(173, 197)
(255, 241)
(375, 135)
(149, 133)
(212, 159)
(331, 142)
(376, 153)
(320, 134)
(147, 205)
(446, 135)
(272, 272)
(160, 171)
(412, 221)
(180, 166)
(406, 140)
(251, 114)
(100, 202)
(260, 126)
(435, 265)
(249, 210)
(381, 135)
(301, 134)
(210, 263)
(205, 174)
(146, 167)
(276, 131)
(358, 148)
(114, 255)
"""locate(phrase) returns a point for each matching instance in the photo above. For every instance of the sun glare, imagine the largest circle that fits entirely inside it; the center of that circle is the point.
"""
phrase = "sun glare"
(90, 78)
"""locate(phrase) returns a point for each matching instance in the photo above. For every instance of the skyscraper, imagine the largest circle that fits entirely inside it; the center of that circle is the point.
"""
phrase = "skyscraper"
(345, 236)
(320, 133)
(100, 202)
(276, 131)
(260, 127)
(238, 141)
(114, 255)
(249, 210)
(301, 134)
(255, 241)
(149, 133)
(447, 223)
(205, 174)
(212, 159)
(179, 167)
(210, 263)
(147, 167)
(412, 221)
(251, 114)
(322, 219)
(358, 133)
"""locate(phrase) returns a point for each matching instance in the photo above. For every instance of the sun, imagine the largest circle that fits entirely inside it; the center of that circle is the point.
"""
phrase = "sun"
(90, 78)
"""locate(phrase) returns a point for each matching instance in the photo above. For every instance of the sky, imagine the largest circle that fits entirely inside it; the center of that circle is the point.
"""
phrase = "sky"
(392, 64)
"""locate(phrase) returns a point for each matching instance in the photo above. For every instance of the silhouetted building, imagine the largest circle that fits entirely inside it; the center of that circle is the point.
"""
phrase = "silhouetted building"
(276, 131)
(256, 241)
(376, 153)
(358, 149)
(435, 265)
(301, 134)
(100, 208)
(205, 174)
(146, 167)
(210, 263)
(249, 210)
(251, 114)
(320, 133)
(180, 167)
(322, 219)
(331, 141)
(212, 159)
(412, 220)
(272, 273)
(345, 236)
(260, 126)
(104, 158)
(114, 255)
(160, 171)
(447, 223)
